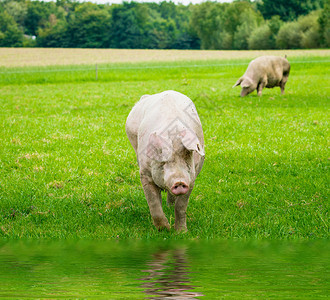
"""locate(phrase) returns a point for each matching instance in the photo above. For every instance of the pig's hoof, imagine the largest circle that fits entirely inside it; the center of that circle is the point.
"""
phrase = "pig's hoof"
(162, 224)
(181, 229)
(163, 227)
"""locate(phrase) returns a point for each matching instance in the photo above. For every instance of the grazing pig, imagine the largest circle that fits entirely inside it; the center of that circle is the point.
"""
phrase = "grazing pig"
(166, 134)
(264, 71)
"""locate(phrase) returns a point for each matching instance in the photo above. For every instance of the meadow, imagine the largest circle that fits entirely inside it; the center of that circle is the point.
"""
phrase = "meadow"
(67, 169)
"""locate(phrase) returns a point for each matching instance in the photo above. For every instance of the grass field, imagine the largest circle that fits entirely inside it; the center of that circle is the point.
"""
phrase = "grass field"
(68, 170)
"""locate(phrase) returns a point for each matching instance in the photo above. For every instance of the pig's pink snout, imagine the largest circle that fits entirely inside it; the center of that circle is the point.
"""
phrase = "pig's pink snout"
(179, 188)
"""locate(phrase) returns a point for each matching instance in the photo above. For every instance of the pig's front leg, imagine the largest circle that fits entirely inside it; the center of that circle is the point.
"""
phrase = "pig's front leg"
(181, 204)
(260, 88)
(170, 199)
(154, 199)
(263, 82)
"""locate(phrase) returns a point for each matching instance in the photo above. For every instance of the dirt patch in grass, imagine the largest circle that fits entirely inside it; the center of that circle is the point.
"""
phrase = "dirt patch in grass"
(21, 57)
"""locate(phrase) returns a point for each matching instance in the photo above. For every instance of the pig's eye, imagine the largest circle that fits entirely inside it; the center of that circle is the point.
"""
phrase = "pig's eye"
(198, 148)
(187, 153)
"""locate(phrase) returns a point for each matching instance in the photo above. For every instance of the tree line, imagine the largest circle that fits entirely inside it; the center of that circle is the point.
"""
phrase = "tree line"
(261, 24)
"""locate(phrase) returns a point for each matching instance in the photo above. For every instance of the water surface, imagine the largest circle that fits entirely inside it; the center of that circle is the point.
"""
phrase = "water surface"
(163, 269)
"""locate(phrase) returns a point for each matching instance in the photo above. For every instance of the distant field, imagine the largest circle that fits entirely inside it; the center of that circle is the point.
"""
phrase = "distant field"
(21, 57)
(67, 169)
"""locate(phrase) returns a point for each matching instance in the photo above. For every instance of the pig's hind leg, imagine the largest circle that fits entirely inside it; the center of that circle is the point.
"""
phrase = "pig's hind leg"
(282, 85)
(154, 199)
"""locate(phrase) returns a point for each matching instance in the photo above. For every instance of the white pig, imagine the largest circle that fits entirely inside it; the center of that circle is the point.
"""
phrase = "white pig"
(264, 71)
(166, 134)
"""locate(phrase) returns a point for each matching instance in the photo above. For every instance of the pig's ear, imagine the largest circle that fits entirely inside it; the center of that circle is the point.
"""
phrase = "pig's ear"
(158, 148)
(192, 143)
(144, 96)
(238, 82)
(246, 83)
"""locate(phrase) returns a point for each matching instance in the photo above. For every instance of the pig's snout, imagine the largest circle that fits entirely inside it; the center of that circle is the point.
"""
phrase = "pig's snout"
(179, 188)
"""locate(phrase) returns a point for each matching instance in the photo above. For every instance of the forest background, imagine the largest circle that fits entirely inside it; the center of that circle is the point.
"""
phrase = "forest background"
(240, 25)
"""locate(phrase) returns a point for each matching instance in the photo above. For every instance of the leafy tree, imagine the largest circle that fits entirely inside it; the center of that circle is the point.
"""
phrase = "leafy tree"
(54, 36)
(275, 24)
(261, 38)
(243, 31)
(303, 33)
(10, 35)
(264, 37)
(125, 26)
(158, 33)
(209, 25)
(90, 27)
(18, 10)
(234, 14)
(289, 36)
(226, 41)
(324, 28)
(309, 27)
(168, 10)
(288, 10)
(183, 37)
(225, 26)
(38, 15)
(207, 21)
(187, 40)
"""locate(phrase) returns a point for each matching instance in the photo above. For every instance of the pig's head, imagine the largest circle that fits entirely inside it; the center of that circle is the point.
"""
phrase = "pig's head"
(172, 160)
(247, 85)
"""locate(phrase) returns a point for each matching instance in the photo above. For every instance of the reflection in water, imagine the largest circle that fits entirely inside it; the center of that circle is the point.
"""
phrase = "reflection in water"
(168, 276)
(222, 269)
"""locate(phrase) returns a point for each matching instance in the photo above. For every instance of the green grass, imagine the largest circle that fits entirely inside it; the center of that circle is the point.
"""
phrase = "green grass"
(67, 169)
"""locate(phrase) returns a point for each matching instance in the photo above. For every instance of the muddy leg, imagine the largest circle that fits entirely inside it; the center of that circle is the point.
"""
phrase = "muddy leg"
(181, 204)
(170, 199)
(154, 199)
(282, 85)
(260, 88)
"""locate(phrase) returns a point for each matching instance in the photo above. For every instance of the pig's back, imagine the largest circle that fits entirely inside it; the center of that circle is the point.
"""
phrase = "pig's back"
(160, 110)
(268, 64)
